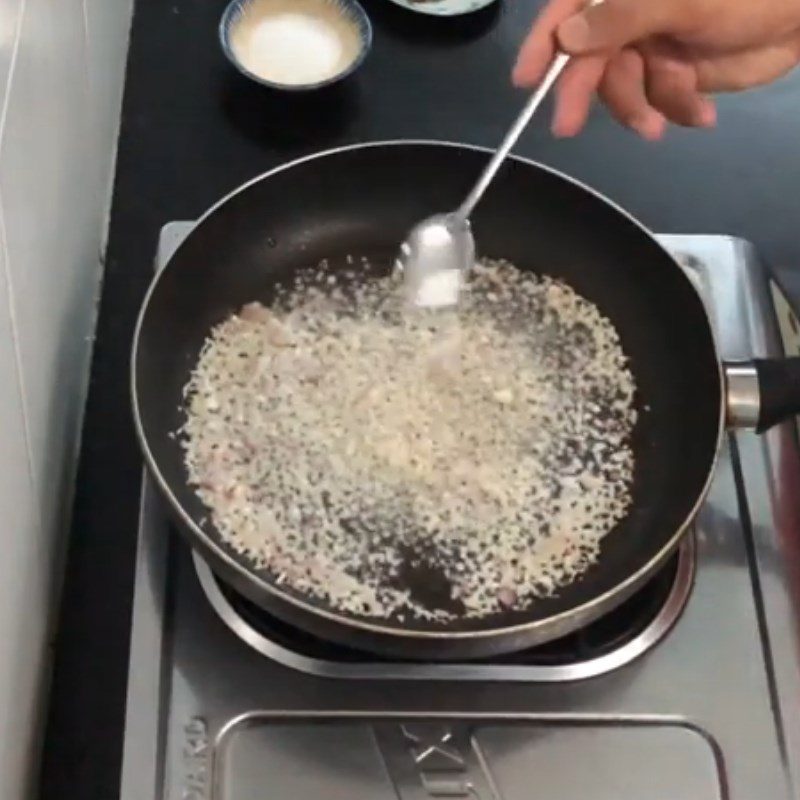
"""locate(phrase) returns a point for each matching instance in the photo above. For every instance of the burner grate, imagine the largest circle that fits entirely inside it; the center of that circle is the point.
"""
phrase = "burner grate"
(598, 639)
(613, 640)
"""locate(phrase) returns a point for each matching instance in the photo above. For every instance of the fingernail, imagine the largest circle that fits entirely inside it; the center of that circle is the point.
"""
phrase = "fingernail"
(707, 115)
(649, 126)
(574, 35)
(561, 131)
(520, 74)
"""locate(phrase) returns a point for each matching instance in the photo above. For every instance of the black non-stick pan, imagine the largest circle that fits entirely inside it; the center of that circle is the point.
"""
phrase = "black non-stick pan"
(361, 201)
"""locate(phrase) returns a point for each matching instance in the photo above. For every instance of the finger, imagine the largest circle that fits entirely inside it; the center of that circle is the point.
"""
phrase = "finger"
(671, 86)
(622, 90)
(539, 47)
(574, 93)
(613, 24)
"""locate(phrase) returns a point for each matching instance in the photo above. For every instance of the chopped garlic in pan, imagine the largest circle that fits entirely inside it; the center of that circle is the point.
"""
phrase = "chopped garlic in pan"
(341, 442)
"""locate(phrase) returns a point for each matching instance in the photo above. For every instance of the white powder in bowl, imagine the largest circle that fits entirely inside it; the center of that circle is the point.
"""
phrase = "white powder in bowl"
(294, 43)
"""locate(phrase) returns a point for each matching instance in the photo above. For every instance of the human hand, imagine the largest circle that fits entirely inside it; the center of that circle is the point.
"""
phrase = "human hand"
(653, 60)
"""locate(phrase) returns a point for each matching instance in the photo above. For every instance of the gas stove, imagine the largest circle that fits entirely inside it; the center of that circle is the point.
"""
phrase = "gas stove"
(691, 689)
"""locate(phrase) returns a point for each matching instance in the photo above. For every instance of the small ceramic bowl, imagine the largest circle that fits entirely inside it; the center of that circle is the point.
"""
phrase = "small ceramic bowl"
(444, 8)
(295, 45)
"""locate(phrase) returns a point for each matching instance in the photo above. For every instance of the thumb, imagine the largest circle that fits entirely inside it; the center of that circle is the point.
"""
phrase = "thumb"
(612, 24)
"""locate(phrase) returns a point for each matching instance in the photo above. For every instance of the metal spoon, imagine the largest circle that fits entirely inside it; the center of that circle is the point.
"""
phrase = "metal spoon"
(440, 250)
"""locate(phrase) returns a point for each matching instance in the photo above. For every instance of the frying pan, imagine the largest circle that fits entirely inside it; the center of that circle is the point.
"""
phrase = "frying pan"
(361, 201)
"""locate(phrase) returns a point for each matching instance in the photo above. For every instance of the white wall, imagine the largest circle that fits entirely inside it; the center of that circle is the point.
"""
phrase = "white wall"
(62, 65)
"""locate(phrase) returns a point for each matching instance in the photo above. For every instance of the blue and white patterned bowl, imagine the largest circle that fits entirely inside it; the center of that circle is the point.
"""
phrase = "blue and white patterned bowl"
(345, 17)
(444, 8)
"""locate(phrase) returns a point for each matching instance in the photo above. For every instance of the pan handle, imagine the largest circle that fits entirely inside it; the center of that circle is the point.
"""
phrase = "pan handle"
(762, 392)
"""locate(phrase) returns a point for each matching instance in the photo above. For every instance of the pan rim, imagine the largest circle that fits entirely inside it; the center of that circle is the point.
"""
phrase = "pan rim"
(587, 610)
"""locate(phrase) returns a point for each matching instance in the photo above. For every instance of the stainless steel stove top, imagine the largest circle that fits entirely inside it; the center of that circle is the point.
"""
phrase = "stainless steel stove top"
(702, 701)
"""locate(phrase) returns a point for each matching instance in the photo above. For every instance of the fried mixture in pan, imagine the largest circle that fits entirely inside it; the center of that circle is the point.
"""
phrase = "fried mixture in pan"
(340, 440)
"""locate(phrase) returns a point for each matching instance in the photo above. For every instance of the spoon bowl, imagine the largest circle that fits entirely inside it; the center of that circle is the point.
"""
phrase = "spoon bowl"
(435, 258)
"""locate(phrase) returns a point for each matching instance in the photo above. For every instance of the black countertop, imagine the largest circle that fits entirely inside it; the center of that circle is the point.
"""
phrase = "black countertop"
(193, 129)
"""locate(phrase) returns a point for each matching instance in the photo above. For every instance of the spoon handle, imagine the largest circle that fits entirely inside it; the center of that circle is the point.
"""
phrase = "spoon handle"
(556, 68)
